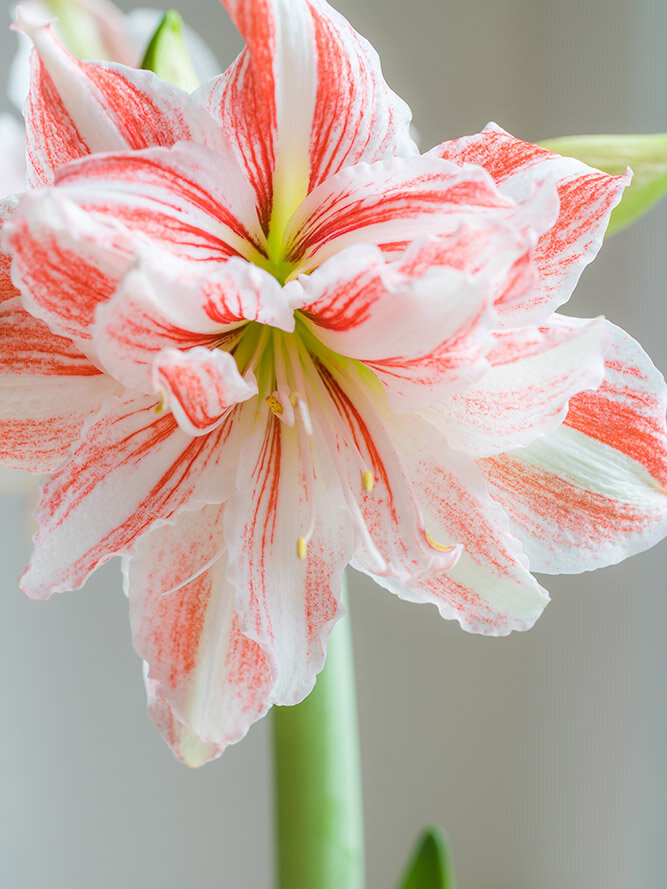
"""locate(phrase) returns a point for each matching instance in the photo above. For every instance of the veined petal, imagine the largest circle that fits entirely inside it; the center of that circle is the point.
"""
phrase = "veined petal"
(75, 108)
(490, 589)
(200, 386)
(72, 244)
(395, 202)
(190, 199)
(158, 306)
(48, 389)
(525, 393)
(587, 198)
(65, 261)
(215, 680)
(370, 478)
(288, 545)
(187, 747)
(130, 472)
(594, 491)
(304, 99)
(12, 155)
(422, 336)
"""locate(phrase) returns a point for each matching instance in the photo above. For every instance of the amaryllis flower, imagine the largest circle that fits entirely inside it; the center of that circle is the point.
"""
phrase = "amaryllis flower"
(253, 335)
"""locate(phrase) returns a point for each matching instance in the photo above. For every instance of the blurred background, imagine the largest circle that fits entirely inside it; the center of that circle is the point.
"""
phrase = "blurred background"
(542, 754)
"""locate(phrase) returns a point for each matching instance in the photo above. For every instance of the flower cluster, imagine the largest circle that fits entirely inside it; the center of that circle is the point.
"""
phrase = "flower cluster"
(253, 335)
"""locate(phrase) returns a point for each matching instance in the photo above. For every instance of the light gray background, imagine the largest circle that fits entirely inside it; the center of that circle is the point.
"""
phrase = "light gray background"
(542, 754)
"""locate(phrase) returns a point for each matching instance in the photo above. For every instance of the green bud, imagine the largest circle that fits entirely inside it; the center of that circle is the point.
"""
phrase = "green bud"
(167, 55)
(77, 28)
(431, 866)
(646, 155)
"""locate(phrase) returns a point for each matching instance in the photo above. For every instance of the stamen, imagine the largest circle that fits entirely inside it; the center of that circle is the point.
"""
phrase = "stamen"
(436, 545)
(327, 419)
(299, 402)
(367, 480)
(301, 548)
(282, 385)
(196, 574)
(325, 402)
(275, 405)
(161, 405)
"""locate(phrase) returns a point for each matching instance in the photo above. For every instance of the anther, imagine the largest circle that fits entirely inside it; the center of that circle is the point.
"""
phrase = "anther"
(275, 405)
(367, 480)
(161, 401)
(301, 548)
(436, 545)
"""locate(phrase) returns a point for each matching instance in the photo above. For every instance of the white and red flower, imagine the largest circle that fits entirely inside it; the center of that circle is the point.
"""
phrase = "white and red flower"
(254, 335)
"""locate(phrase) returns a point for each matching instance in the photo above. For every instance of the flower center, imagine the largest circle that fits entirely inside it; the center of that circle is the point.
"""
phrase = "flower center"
(313, 391)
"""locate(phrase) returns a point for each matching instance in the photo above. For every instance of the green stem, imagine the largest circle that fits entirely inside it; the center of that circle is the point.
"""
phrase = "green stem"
(319, 817)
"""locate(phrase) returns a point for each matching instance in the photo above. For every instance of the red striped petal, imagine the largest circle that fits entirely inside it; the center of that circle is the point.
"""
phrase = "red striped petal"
(304, 99)
(75, 108)
(72, 244)
(131, 472)
(213, 679)
(200, 386)
(48, 389)
(525, 393)
(490, 589)
(586, 196)
(390, 203)
(287, 604)
(594, 491)
(422, 336)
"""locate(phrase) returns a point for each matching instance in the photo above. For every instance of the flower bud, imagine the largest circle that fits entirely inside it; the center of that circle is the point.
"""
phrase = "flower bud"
(167, 55)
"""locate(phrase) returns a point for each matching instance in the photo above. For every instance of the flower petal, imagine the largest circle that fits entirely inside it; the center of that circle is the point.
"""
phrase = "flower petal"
(525, 393)
(489, 590)
(65, 262)
(422, 337)
(188, 198)
(369, 477)
(594, 491)
(304, 99)
(72, 244)
(157, 306)
(48, 389)
(587, 198)
(75, 108)
(215, 680)
(187, 747)
(395, 202)
(288, 545)
(130, 472)
(200, 386)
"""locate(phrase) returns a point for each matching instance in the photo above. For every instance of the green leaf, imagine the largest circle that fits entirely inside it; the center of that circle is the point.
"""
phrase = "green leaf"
(167, 55)
(432, 866)
(646, 155)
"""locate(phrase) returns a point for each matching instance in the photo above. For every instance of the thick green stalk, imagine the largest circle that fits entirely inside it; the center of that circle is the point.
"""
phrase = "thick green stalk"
(319, 817)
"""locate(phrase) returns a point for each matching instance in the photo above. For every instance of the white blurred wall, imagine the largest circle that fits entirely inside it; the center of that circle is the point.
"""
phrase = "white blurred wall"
(542, 753)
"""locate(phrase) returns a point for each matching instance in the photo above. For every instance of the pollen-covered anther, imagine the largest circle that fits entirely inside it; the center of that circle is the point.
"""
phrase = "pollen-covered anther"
(275, 405)
(368, 480)
(301, 548)
(436, 545)
(161, 405)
